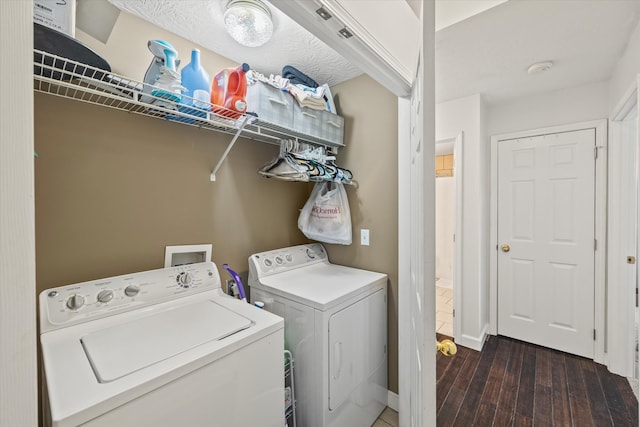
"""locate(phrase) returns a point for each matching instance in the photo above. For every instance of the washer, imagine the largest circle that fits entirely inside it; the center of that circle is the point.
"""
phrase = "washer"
(160, 348)
(336, 328)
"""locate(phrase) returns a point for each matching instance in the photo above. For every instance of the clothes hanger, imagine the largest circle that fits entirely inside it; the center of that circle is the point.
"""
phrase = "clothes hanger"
(299, 161)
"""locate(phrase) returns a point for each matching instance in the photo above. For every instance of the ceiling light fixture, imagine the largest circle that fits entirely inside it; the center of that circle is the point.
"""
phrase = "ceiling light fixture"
(540, 67)
(248, 22)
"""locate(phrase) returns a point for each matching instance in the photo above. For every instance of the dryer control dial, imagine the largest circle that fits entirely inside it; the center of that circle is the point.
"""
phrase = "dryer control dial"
(75, 301)
(132, 290)
(184, 279)
(105, 296)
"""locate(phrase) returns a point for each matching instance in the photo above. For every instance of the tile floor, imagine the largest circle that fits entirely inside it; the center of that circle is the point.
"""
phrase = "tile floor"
(388, 418)
(444, 311)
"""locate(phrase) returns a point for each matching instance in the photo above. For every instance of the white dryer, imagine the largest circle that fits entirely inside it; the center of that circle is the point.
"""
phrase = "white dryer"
(160, 348)
(336, 328)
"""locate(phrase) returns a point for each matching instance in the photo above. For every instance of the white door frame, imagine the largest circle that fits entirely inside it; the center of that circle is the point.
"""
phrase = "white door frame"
(620, 331)
(404, 265)
(458, 161)
(18, 366)
(600, 127)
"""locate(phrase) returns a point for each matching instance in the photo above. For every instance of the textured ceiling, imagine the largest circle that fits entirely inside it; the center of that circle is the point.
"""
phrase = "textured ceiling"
(490, 53)
(201, 22)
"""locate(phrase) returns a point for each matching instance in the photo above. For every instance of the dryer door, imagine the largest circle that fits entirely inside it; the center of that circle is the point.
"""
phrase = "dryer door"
(357, 348)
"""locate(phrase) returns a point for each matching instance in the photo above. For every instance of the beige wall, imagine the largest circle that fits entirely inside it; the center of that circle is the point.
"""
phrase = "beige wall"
(371, 117)
(113, 189)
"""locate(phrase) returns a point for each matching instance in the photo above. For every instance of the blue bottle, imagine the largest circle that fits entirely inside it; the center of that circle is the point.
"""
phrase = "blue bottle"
(196, 82)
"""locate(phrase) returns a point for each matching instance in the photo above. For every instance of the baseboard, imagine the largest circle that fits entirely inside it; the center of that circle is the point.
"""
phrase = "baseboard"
(474, 343)
(393, 401)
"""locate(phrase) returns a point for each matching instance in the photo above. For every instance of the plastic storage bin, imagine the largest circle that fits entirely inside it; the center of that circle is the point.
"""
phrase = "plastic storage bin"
(270, 104)
(321, 124)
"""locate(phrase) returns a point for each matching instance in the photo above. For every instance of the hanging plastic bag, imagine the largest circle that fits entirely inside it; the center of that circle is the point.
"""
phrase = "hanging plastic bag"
(326, 216)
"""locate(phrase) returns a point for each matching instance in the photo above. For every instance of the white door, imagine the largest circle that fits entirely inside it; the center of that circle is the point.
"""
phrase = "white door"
(546, 204)
(421, 296)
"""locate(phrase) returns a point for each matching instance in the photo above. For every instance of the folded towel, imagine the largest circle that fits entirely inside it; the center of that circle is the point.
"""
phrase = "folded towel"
(309, 97)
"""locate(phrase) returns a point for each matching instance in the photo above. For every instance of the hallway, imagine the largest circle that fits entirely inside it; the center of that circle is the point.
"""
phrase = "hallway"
(444, 311)
(520, 384)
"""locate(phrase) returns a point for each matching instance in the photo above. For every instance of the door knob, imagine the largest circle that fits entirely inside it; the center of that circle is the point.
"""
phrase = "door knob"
(631, 259)
(506, 248)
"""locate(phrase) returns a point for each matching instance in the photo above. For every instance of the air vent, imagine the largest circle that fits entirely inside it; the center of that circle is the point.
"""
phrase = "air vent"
(324, 14)
(345, 33)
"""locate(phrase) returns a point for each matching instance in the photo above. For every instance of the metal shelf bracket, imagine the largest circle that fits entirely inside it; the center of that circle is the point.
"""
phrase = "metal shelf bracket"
(229, 147)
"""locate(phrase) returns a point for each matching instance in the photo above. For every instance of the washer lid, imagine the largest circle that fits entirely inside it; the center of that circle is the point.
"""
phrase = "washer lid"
(128, 347)
(322, 286)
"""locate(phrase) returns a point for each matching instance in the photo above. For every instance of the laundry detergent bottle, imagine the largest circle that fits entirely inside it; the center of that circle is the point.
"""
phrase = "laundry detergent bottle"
(229, 90)
(196, 81)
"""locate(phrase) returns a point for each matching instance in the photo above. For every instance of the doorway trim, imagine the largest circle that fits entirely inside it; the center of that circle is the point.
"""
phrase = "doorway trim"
(621, 323)
(600, 127)
(458, 161)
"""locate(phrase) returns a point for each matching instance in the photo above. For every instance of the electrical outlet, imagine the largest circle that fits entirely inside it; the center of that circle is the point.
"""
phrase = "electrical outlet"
(364, 237)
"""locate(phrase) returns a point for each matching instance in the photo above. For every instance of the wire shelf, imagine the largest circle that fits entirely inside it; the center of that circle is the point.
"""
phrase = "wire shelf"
(63, 77)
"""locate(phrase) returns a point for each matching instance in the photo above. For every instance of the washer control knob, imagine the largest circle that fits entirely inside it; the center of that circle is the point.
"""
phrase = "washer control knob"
(289, 258)
(75, 302)
(311, 254)
(184, 279)
(268, 262)
(105, 296)
(132, 290)
(279, 260)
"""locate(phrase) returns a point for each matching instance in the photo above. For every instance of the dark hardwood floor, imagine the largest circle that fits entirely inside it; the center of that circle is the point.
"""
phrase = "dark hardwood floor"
(512, 383)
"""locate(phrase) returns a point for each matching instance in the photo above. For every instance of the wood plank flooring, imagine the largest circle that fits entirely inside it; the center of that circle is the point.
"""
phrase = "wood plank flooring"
(512, 383)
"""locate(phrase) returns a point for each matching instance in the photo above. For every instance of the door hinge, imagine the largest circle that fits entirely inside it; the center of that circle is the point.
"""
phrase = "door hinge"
(454, 237)
(454, 312)
(595, 152)
(595, 244)
(594, 334)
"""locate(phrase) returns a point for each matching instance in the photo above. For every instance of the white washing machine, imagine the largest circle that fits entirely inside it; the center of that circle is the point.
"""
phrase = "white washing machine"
(336, 328)
(160, 348)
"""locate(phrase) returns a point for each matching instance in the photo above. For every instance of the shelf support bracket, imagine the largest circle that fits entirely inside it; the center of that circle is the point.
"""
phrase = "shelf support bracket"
(229, 147)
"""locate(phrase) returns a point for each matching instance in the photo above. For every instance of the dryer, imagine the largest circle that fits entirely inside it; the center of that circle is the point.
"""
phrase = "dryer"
(336, 328)
(160, 348)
